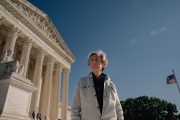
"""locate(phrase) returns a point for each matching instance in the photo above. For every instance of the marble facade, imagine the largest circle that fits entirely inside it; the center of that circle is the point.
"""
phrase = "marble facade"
(34, 60)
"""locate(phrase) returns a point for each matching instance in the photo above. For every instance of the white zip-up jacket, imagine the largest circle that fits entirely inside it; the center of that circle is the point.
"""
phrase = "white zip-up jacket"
(85, 104)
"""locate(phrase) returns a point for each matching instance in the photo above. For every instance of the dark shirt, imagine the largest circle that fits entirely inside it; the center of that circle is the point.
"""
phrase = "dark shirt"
(99, 88)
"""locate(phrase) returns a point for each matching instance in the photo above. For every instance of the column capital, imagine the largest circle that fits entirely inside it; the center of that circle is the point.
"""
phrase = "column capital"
(41, 51)
(66, 71)
(50, 59)
(15, 31)
(28, 42)
(2, 19)
(59, 67)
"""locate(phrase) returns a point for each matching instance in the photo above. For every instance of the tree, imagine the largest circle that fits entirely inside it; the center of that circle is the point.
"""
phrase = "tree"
(178, 116)
(148, 108)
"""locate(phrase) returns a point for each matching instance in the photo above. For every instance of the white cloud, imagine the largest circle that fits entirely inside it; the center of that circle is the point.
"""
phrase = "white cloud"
(153, 33)
(163, 29)
(136, 40)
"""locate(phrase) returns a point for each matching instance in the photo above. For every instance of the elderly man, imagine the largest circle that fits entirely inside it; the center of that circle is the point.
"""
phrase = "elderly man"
(95, 96)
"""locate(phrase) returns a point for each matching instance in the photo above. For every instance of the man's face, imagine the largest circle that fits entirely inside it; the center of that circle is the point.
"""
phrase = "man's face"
(95, 63)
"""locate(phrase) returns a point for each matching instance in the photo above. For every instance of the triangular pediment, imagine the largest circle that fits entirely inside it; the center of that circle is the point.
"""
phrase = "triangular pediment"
(37, 20)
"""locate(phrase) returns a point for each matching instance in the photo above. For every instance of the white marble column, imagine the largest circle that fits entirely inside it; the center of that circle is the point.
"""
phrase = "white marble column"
(25, 55)
(56, 93)
(64, 94)
(47, 88)
(37, 81)
(10, 43)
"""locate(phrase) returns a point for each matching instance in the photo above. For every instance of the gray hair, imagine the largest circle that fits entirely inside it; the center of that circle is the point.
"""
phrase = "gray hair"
(101, 54)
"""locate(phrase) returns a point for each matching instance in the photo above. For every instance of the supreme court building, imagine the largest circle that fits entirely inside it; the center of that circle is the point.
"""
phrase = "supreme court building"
(34, 60)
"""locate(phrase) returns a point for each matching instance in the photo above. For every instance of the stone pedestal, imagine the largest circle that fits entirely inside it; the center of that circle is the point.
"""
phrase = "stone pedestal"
(15, 94)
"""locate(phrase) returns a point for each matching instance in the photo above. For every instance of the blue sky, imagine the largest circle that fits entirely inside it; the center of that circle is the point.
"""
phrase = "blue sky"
(141, 39)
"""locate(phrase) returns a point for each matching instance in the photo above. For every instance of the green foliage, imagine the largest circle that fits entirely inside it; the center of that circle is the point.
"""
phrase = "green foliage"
(148, 108)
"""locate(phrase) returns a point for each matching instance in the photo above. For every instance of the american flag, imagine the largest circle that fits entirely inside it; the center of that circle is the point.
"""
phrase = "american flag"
(171, 79)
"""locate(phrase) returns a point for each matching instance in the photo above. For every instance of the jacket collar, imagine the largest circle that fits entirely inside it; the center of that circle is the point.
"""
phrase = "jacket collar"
(102, 75)
(107, 81)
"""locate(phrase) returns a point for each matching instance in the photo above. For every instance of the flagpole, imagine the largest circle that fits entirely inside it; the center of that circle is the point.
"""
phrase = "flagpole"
(176, 81)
